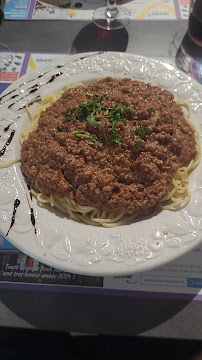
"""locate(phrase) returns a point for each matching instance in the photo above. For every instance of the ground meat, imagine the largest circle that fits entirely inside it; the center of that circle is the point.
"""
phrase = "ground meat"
(114, 145)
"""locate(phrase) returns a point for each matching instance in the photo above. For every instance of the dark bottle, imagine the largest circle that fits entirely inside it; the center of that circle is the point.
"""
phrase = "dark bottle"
(195, 22)
(2, 6)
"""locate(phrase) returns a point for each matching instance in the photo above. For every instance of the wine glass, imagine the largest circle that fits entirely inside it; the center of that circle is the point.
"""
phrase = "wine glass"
(6, 54)
(111, 17)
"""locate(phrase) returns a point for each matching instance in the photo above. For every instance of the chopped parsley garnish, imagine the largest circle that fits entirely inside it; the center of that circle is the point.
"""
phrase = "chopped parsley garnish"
(100, 98)
(117, 141)
(114, 115)
(68, 116)
(101, 139)
(132, 133)
(138, 144)
(93, 107)
(87, 111)
(94, 139)
(119, 109)
(141, 131)
(127, 109)
(91, 121)
(104, 96)
(151, 110)
(88, 108)
(59, 128)
(80, 133)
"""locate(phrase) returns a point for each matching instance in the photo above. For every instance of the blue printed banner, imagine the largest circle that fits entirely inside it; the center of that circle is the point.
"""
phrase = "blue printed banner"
(17, 9)
(4, 244)
(194, 282)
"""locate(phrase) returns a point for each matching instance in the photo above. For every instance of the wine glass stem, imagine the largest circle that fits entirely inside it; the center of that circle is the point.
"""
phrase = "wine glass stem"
(111, 9)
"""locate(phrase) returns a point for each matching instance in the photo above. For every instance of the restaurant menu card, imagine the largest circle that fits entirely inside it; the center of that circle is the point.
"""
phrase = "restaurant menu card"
(181, 278)
(83, 9)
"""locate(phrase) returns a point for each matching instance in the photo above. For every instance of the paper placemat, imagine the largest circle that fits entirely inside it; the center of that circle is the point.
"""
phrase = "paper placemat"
(83, 9)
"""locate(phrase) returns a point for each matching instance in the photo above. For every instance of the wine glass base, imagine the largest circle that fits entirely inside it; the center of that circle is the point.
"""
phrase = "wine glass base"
(6, 56)
(103, 21)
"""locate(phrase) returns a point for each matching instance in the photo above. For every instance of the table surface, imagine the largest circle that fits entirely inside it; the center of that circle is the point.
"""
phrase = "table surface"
(99, 313)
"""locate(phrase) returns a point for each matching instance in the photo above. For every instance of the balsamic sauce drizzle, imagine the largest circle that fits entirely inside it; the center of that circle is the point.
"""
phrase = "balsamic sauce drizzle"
(27, 82)
(32, 217)
(8, 94)
(29, 189)
(54, 77)
(7, 127)
(14, 96)
(22, 107)
(11, 105)
(2, 151)
(16, 204)
(34, 88)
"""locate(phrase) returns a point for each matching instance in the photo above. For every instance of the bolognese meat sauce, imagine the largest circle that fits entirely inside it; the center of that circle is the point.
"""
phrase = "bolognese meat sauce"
(114, 145)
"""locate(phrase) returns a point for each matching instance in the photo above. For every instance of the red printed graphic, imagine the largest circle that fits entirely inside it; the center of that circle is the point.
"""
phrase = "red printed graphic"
(8, 76)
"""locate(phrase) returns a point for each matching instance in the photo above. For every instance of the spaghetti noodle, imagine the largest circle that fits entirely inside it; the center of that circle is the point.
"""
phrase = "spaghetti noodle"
(179, 194)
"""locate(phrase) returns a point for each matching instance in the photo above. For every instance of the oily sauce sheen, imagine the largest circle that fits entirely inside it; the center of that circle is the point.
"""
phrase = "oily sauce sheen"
(114, 145)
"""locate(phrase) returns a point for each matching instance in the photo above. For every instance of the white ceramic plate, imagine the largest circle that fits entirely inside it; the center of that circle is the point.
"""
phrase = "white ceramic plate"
(83, 249)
